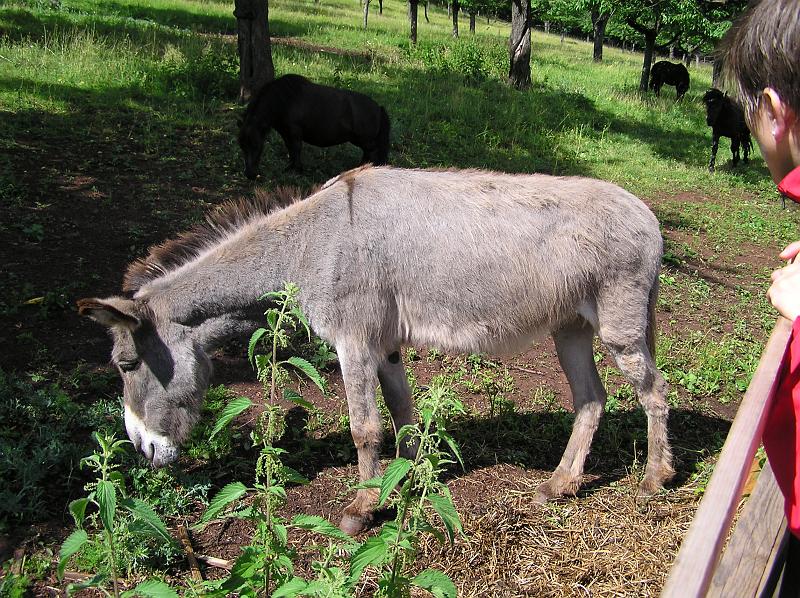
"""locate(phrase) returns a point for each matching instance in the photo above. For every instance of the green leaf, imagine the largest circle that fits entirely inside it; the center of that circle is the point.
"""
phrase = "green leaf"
(408, 429)
(444, 506)
(436, 582)
(372, 552)
(395, 472)
(148, 523)
(71, 545)
(293, 587)
(301, 317)
(232, 409)
(152, 588)
(320, 525)
(251, 347)
(453, 446)
(293, 476)
(292, 395)
(106, 497)
(223, 498)
(309, 370)
(370, 483)
(98, 581)
(77, 509)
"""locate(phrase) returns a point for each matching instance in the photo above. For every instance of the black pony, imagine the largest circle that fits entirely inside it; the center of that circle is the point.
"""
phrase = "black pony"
(300, 110)
(669, 73)
(726, 119)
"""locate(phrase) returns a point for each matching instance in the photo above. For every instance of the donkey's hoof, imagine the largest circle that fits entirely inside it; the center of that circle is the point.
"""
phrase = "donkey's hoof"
(545, 493)
(648, 487)
(353, 524)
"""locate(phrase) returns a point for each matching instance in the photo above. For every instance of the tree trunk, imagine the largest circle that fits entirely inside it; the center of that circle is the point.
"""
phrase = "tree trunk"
(380, 7)
(649, 46)
(455, 18)
(412, 17)
(716, 72)
(599, 22)
(427, 20)
(366, 12)
(519, 44)
(255, 52)
(472, 23)
(547, 26)
(672, 51)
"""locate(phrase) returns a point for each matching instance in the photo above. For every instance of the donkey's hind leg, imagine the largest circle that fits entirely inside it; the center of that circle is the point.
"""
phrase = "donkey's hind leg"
(397, 395)
(623, 330)
(574, 348)
(360, 373)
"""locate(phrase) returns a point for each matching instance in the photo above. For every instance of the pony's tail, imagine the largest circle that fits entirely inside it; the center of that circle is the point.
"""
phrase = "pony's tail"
(652, 300)
(382, 150)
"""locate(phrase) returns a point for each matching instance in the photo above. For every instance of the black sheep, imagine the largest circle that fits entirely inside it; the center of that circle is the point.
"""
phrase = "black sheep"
(665, 72)
(726, 119)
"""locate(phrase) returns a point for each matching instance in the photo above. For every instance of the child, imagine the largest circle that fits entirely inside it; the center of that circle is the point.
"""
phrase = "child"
(761, 54)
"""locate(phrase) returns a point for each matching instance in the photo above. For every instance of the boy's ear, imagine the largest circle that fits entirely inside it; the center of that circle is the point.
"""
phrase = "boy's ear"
(112, 312)
(779, 115)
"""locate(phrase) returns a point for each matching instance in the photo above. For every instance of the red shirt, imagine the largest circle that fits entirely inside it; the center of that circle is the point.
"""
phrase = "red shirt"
(782, 433)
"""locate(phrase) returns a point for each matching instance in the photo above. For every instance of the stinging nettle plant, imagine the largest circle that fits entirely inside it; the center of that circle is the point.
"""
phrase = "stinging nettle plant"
(265, 567)
(107, 497)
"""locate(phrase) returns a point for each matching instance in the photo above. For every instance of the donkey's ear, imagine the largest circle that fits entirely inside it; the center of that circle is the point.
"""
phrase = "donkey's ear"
(110, 312)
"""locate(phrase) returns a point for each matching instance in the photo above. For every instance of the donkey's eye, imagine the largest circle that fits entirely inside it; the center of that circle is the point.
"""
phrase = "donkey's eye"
(129, 366)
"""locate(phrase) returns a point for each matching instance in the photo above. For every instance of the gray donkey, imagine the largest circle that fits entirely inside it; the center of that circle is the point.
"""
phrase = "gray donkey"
(460, 260)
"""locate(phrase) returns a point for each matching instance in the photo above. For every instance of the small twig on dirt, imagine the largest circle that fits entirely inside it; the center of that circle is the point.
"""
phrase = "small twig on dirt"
(526, 370)
(76, 576)
(183, 534)
(215, 562)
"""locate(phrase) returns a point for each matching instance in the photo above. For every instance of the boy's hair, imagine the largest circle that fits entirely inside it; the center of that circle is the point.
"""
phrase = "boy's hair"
(762, 49)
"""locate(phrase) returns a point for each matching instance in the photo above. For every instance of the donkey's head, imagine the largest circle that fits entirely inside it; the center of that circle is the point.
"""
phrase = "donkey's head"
(251, 140)
(164, 369)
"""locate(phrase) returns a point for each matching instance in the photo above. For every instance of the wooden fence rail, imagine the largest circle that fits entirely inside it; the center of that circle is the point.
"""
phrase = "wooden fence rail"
(698, 557)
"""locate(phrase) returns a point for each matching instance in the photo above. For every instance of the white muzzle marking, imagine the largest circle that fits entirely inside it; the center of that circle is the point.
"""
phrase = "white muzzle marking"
(158, 449)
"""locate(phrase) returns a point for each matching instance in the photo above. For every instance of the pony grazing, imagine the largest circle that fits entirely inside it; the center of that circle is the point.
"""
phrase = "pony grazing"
(466, 261)
(726, 119)
(300, 110)
(669, 73)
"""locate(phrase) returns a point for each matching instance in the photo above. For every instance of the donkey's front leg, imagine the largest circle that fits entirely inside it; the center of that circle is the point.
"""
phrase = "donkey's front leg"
(360, 373)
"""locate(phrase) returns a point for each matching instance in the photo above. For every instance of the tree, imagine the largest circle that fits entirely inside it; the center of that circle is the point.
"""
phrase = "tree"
(255, 52)
(600, 12)
(366, 12)
(455, 18)
(412, 17)
(519, 44)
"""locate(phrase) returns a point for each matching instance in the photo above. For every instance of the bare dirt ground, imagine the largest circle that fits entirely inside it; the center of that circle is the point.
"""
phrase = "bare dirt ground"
(92, 208)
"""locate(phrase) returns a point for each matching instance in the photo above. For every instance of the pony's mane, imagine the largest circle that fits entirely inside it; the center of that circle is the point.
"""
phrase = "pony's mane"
(219, 224)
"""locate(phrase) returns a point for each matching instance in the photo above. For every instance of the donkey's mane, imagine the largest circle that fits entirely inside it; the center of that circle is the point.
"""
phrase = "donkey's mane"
(219, 224)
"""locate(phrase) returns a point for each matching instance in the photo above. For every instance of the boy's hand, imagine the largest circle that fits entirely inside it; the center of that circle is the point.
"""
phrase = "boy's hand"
(784, 293)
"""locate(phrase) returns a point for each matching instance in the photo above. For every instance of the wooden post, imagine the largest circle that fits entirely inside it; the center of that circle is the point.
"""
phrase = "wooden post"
(693, 569)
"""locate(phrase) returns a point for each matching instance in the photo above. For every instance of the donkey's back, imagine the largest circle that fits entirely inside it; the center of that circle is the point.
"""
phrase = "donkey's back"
(483, 261)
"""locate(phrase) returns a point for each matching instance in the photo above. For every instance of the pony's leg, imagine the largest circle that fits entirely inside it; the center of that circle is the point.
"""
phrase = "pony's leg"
(714, 147)
(746, 150)
(623, 330)
(574, 348)
(735, 150)
(360, 373)
(397, 395)
(293, 138)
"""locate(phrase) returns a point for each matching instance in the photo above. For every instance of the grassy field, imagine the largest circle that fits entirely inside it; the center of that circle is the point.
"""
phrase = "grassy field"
(117, 130)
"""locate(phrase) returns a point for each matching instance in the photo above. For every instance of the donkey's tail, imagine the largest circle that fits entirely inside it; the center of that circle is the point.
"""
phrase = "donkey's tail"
(381, 155)
(652, 300)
